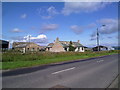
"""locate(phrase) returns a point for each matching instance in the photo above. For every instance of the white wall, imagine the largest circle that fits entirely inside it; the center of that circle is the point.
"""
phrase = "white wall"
(80, 49)
(76, 49)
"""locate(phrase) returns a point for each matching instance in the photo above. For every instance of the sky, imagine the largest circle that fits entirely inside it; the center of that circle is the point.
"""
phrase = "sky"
(43, 22)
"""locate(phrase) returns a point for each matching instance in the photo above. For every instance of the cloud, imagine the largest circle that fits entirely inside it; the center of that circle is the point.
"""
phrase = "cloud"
(23, 16)
(38, 39)
(91, 25)
(47, 13)
(79, 29)
(48, 27)
(111, 26)
(52, 11)
(78, 7)
(76, 29)
(46, 17)
(93, 38)
(16, 30)
(109, 37)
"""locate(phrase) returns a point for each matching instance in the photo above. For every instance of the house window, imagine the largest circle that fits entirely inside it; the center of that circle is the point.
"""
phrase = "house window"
(48, 49)
(65, 49)
(82, 48)
(33, 49)
(38, 49)
(28, 49)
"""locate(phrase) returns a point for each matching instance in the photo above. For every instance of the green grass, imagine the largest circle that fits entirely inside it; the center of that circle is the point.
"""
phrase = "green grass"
(13, 60)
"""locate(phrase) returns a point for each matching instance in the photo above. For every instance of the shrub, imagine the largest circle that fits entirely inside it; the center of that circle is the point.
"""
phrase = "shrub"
(31, 56)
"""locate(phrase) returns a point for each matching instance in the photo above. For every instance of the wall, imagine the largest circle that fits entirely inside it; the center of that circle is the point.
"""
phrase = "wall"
(57, 47)
(33, 47)
(80, 49)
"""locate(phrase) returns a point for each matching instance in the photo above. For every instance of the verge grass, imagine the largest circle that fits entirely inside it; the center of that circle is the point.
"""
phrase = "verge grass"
(13, 60)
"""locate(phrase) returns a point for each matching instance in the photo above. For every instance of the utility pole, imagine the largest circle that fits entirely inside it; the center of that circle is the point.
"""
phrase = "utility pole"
(29, 41)
(29, 38)
(98, 39)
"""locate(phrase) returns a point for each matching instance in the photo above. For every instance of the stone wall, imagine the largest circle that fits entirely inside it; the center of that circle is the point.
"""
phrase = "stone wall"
(27, 46)
(33, 47)
(57, 47)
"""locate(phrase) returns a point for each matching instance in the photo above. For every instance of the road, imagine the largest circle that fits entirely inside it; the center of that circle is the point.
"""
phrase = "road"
(93, 73)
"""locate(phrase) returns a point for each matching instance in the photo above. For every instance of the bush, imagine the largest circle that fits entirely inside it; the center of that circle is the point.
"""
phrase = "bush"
(71, 48)
(31, 56)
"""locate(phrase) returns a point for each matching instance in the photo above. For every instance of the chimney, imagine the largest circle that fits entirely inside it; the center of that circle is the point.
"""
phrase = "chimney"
(78, 41)
(57, 39)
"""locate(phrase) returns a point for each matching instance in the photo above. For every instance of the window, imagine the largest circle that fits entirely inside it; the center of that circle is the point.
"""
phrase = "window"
(65, 49)
(82, 48)
(33, 49)
(38, 49)
(48, 49)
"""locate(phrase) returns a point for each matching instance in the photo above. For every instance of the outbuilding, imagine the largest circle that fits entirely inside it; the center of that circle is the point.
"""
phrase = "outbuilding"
(4, 45)
(26, 46)
(100, 48)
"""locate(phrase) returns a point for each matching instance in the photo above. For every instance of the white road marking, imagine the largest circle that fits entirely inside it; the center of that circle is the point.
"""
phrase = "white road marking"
(63, 70)
(100, 61)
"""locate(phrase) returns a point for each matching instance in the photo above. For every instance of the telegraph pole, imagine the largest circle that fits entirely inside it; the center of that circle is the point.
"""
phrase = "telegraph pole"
(98, 43)
(29, 38)
(98, 39)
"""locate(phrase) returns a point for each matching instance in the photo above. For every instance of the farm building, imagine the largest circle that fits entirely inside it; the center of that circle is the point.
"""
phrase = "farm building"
(4, 44)
(63, 46)
(26, 46)
(100, 48)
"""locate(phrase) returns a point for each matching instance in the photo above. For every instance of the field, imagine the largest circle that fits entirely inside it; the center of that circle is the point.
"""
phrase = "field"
(13, 60)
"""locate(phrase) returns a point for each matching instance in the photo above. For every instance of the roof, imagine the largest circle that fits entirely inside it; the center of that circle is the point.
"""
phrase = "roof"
(76, 44)
(4, 42)
(66, 44)
(21, 45)
(50, 44)
(22, 42)
(100, 46)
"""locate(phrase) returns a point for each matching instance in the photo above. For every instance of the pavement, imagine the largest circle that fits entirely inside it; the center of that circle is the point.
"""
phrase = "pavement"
(93, 73)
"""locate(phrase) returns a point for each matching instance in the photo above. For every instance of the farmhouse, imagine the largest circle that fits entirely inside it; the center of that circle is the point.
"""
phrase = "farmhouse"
(26, 46)
(63, 46)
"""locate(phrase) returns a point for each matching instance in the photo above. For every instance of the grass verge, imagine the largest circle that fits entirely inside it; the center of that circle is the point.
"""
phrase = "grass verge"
(13, 60)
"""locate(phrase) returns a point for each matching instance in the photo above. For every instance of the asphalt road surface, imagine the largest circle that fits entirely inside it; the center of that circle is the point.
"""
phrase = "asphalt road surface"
(93, 73)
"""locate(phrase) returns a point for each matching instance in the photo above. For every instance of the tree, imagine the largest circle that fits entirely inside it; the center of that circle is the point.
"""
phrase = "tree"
(71, 48)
